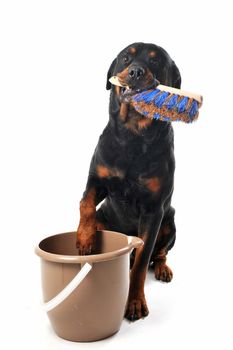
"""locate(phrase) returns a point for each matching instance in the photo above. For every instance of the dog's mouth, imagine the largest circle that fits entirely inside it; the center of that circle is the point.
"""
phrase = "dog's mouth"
(127, 92)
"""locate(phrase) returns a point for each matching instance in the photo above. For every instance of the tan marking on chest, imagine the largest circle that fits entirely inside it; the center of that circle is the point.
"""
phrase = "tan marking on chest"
(153, 184)
(144, 123)
(105, 172)
(135, 122)
(102, 171)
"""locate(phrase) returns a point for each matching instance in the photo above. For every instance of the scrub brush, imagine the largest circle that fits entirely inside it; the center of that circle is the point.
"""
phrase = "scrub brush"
(165, 103)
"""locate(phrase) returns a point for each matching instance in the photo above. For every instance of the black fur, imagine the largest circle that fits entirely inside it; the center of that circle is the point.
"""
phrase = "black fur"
(137, 171)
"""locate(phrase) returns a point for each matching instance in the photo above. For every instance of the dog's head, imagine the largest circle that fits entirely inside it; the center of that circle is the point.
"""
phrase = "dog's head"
(139, 66)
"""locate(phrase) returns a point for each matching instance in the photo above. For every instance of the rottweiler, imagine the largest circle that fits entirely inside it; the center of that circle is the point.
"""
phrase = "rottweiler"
(132, 172)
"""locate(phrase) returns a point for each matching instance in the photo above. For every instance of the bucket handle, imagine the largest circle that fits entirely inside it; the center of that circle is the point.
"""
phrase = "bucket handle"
(60, 297)
(133, 242)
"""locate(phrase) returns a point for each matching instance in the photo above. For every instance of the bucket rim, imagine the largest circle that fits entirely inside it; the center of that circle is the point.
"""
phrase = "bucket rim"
(133, 242)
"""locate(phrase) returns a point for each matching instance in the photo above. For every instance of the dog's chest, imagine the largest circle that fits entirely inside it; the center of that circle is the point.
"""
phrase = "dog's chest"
(128, 158)
(132, 166)
(132, 169)
(144, 148)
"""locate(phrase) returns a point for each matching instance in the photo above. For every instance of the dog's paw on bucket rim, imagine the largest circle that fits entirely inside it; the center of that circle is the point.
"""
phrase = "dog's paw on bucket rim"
(84, 248)
(86, 240)
(136, 309)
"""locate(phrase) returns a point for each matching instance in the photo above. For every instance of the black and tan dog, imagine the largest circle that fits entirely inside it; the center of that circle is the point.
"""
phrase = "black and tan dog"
(132, 170)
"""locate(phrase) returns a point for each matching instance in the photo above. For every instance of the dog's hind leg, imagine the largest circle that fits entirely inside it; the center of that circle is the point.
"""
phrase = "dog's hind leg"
(164, 242)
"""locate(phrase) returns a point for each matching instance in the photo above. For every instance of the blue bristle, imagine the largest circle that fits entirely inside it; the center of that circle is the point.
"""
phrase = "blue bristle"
(172, 102)
(156, 116)
(193, 109)
(140, 96)
(182, 105)
(166, 119)
(141, 111)
(159, 100)
(146, 96)
(149, 97)
(144, 112)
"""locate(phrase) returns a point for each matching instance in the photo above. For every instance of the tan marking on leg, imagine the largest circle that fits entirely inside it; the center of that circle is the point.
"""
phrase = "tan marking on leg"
(161, 255)
(163, 231)
(161, 270)
(87, 224)
(166, 230)
(136, 306)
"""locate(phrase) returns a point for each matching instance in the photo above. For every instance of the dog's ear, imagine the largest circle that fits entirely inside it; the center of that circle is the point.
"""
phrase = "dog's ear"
(110, 73)
(176, 77)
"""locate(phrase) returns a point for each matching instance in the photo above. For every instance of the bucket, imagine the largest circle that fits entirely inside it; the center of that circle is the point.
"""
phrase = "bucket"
(85, 296)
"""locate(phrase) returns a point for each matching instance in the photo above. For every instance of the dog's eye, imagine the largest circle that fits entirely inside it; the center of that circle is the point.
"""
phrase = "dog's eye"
(153, 61)
(125, 58)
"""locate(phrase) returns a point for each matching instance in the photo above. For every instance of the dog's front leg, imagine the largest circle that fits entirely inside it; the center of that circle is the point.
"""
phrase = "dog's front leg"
(93, 195)
(148, 230)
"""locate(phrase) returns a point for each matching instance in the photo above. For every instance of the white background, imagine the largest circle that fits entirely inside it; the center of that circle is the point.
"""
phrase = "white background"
(53, 106)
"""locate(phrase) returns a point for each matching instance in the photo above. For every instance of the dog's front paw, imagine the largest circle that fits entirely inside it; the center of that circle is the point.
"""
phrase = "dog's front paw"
(136, 308)
(85, 242)
(84, 247)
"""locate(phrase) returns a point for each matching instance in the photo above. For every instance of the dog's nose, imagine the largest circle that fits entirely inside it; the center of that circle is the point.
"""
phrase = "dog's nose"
(136, 72)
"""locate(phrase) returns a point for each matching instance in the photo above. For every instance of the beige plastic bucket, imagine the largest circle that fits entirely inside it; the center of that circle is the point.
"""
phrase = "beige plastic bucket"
(85, 296)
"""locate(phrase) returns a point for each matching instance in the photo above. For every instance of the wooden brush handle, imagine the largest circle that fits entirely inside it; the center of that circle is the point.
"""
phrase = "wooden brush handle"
(180, 92)
(115, 81)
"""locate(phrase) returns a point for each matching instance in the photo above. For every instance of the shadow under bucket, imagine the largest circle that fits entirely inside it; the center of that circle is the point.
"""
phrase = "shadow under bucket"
(85, 296)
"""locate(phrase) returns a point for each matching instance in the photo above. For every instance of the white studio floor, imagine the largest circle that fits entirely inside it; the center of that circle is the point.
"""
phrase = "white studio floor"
(53, 66)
